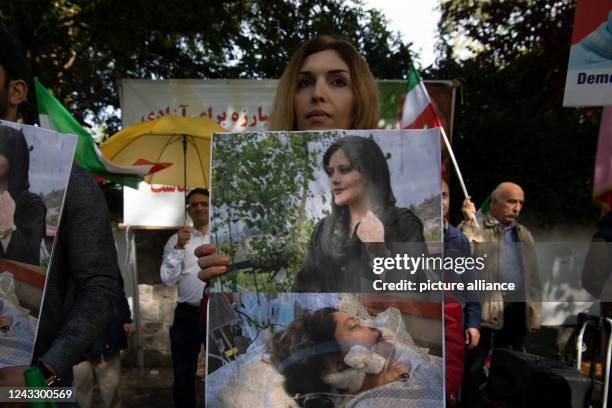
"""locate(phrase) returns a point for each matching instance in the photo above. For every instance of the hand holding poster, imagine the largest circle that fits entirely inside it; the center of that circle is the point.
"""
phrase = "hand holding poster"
(34, 169)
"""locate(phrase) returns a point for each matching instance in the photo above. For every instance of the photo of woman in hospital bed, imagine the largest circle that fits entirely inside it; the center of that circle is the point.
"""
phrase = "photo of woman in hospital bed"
(17, 334)
(329, 357)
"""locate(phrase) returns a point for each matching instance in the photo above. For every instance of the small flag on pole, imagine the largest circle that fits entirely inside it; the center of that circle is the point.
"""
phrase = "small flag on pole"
(53, 115)
(418, 111)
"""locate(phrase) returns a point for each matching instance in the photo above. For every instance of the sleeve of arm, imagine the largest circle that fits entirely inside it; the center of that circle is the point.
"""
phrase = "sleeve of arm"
(123, 307)
(471, 307)
(471, 311)
(86, 235)
(172, 262)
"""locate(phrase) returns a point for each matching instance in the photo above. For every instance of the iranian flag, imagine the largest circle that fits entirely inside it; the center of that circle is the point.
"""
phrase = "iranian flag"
(53, 115)
(418, 112)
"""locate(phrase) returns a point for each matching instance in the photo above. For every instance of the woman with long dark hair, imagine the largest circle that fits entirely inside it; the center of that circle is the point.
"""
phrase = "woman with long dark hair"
(364, 221)
(22, 213)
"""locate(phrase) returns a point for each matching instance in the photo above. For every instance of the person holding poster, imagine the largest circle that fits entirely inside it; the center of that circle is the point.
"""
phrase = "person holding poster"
(22, 213)
(84, 274)
(326, 85)
(180, 267)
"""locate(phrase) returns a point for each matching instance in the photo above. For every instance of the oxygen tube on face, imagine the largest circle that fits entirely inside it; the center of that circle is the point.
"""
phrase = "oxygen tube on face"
(390, 337)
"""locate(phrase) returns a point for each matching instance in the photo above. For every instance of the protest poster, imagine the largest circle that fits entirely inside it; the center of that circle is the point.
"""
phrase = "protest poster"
(589, 72)
(273, 191)
(35, 166)
(275, 349)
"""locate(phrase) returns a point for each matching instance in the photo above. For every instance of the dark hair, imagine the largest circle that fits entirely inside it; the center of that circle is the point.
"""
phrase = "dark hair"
(304, 352)
(11, 58)
(15, 68)
(202, 191)
(13, 146)
(367, 158)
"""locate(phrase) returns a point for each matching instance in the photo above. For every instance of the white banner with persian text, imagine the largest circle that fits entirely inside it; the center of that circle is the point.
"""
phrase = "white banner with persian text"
(234, 104)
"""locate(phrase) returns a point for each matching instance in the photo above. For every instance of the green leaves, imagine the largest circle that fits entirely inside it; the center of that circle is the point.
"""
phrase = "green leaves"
(512, 125)
(81, 49)
(261, 182)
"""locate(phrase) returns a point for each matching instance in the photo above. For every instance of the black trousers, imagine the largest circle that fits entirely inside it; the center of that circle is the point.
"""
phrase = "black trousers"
(511, 335)
(186, 339)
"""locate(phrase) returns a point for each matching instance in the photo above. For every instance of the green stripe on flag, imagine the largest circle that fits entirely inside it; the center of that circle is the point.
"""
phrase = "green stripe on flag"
(413, 78)
(85, 154)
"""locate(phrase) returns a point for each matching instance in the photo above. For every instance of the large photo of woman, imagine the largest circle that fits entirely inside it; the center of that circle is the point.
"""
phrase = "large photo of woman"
(34, 169)
(308, 211)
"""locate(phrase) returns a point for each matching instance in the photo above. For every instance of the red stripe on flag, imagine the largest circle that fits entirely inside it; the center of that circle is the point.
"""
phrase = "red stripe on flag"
(155, 167)
(159, 167)
(426, 119)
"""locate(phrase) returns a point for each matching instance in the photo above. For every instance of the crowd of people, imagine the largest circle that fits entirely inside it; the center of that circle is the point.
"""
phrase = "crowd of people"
(326, 85)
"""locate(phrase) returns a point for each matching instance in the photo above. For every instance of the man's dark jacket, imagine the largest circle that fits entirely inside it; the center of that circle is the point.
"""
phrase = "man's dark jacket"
(83, 280)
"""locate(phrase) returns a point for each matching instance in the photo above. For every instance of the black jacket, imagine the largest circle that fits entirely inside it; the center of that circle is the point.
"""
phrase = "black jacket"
(351, 270)
(83, 280)
(114, 338)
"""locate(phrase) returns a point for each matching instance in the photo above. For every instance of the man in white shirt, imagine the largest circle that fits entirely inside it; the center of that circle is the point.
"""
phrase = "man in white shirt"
(180, 267)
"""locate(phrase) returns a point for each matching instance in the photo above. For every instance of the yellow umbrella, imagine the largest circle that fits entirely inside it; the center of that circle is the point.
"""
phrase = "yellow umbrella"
(182, 142)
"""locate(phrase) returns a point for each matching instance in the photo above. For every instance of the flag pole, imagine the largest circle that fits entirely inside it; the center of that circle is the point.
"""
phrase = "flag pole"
(457, 170)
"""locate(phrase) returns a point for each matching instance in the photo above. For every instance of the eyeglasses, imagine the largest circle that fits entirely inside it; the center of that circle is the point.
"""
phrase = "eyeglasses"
(202, 204)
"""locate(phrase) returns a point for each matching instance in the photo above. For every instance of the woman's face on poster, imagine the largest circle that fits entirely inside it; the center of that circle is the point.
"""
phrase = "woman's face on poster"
(350, 332)
(4, 166)
(346, 183)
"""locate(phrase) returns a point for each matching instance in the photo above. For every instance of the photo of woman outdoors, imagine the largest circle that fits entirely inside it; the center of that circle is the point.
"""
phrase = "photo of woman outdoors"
(321, 206)
(22, 213)
(363, 218)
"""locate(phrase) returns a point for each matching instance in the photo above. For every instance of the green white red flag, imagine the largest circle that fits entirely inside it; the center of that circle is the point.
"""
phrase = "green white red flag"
(53, 115)
(418, 111)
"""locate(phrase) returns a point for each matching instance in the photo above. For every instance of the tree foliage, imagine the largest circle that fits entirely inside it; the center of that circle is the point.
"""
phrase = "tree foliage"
(81, 49)
(509, 122)
(261, 187)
